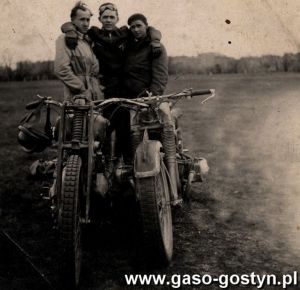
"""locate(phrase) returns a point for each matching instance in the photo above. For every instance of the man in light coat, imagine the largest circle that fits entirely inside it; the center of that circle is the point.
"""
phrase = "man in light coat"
(78, 68)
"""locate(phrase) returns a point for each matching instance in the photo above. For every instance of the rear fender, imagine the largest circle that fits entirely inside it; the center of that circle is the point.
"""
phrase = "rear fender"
(147, 159)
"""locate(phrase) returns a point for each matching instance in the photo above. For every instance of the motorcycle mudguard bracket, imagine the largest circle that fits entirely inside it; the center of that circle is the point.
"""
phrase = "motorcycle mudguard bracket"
(147, 159)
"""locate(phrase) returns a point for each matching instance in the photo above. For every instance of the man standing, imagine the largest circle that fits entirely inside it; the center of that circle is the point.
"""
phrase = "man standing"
(78, 67)
(109, 44)
(144, 74)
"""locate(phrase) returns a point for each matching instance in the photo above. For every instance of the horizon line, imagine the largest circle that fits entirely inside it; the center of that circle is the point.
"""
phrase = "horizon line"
(187, 56)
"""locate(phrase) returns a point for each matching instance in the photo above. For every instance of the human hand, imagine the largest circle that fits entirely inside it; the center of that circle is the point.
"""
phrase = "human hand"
(156, 51)
(71, 36)
(71, 39)
(87, 93)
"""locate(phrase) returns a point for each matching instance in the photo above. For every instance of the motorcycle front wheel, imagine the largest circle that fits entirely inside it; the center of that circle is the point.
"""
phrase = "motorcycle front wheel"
(70, 227)
(155, 218)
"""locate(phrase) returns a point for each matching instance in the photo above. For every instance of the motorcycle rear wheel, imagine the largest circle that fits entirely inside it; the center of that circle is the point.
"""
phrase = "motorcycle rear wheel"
(70, 227)
(156, 218)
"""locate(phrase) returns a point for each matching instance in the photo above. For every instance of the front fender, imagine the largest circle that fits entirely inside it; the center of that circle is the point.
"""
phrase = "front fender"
(147, 159)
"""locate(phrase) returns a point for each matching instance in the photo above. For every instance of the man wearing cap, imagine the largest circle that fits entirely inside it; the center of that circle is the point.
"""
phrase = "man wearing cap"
(78, 68)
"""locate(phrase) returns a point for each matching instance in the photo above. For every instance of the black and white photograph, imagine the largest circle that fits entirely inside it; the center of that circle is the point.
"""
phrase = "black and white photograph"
(150, 144)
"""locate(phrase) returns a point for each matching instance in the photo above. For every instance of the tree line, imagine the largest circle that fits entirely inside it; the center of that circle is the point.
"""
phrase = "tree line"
(207, 63)
(28, 71)
(211, 63)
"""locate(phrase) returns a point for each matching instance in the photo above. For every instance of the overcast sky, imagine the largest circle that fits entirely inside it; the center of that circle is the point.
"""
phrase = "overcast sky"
(189, 27)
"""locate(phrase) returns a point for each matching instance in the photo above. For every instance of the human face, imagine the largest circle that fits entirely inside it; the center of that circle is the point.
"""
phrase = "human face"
(82, 20)
(138, 29)
(109, 19)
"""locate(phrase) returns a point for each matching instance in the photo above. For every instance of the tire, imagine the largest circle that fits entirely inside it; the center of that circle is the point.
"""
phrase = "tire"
(70, 227)
(156, 218)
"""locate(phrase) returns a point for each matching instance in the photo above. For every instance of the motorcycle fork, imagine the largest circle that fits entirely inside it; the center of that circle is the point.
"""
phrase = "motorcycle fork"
(90, 162)
(60, 154)
(168, 141)
(110, 154)
(135, 133)
(82, 118)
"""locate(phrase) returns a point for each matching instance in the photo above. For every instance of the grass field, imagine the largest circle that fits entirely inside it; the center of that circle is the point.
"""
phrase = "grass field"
(244, 219)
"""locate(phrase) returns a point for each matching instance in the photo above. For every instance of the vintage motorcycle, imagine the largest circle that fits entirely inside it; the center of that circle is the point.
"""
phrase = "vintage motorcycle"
(87, 165)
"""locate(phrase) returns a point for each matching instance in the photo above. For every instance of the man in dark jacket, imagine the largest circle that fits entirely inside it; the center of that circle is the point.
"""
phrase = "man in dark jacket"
(144, 75)
(143, 72)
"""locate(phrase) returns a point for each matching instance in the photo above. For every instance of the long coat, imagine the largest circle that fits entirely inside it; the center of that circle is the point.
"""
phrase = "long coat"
(78, 69)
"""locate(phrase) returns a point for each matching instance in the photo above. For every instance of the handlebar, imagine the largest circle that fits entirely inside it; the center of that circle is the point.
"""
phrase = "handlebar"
(146, 101)
(202, 92)
(46, 100)
(139, 102)
(33, 105)
(188, 93)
